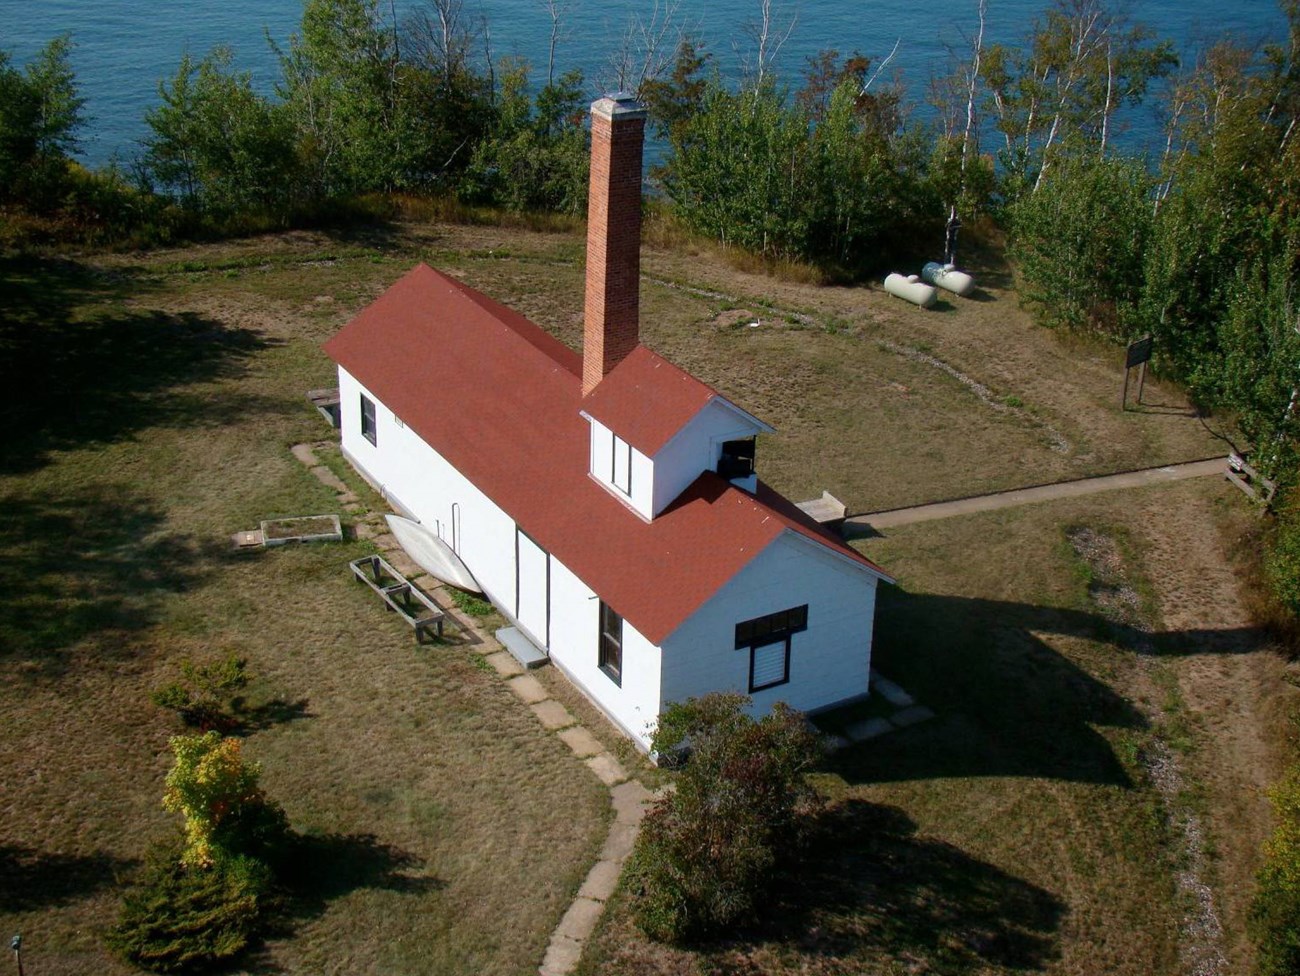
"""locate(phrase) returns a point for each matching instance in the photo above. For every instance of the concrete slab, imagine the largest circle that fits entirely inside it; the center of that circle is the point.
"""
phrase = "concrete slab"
(524, 650)
(619, 843)
(348, 498)
(891, 692)
(552, 714)
(562, 957)
(505, 665)
(404, 564)
(606, 767)
(601, 881)
(629, 800)
(581, 741)
(528, 688)
(364, 530)
(580, 920)
(304, 453)
(328, 478)
(868, 728)
(911, 716)
(386, 541)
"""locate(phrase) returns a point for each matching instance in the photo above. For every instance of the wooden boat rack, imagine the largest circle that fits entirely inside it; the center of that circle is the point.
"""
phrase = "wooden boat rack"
(400, 595)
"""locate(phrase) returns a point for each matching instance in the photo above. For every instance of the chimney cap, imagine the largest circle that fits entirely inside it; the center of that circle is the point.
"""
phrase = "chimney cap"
(618, 105)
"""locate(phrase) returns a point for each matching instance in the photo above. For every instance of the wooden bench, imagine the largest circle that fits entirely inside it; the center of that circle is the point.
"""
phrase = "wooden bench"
(399, 594)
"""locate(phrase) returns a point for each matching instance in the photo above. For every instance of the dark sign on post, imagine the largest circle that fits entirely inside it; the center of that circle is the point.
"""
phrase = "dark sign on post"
(1139, 354)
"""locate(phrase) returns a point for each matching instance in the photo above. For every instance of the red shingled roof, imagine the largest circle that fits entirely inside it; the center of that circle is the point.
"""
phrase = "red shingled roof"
(645, 400)
(499, 398)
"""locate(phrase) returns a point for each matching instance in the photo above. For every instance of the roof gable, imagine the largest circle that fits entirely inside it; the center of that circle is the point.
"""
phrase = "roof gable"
(646, 400)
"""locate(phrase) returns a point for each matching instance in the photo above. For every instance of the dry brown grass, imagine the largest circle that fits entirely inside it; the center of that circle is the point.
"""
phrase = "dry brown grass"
(1020, 818)
(454, 829)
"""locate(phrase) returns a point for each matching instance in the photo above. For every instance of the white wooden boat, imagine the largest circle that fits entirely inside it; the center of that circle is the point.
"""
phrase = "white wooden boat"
(431, 554)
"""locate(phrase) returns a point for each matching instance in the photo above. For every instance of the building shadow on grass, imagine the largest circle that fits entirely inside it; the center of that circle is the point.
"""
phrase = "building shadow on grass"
(324, 867)
(91, 562)
(31, 879)
(79, 370)
(1007, 703)
(870, 894)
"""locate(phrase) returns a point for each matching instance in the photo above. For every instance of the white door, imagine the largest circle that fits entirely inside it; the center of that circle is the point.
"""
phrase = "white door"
(533, 589)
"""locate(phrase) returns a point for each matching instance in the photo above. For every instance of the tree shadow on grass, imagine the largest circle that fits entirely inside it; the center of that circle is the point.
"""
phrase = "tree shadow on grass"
(31, 879)
(1007, 703)
(869, 895)
(323, 867)
(77, 372)
(91, 562)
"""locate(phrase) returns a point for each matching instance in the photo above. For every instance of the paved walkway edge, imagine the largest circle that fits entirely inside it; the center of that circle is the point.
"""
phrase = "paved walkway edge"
(1040, 493)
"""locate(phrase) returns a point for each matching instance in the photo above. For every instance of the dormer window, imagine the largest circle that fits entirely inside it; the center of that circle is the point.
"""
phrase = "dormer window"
(737, 459)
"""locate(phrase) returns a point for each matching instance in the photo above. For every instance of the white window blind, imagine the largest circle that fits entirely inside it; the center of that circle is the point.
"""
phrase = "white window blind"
(769, 665)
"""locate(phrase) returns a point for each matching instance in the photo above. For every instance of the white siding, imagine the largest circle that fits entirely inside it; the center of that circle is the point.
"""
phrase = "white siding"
(695, 449)
(614, 463)
(419, 481)
(532, 608)
(575, 649)
(830, 662)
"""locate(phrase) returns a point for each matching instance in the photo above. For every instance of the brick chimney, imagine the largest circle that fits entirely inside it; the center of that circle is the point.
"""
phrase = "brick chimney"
(610, 320)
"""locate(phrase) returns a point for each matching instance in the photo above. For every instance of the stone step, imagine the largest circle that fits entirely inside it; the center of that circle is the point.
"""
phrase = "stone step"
(521, 648)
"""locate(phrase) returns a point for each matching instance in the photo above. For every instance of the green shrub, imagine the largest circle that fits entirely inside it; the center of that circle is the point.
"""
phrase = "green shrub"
(207, 697)
(1282, 560)
(708, 852)
(470, 604)
(1275, 912)
(180, 919)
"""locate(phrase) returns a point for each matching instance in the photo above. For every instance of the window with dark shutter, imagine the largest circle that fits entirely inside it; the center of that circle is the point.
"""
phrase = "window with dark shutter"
(737, 459)
(767, 638)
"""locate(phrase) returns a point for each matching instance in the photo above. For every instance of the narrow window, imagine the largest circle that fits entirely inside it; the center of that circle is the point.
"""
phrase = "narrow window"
(767, 638)
(368, 420)
(611, 643)
(769, 664)
(737, 459)
(622, 473)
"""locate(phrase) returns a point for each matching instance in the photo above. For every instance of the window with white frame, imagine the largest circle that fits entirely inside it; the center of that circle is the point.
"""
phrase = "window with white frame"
(368, 420)
(621, 476)
(611, 643)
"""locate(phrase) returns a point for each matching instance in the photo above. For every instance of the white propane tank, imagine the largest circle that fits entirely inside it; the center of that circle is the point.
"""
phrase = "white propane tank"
(911, 289)
(947, 276)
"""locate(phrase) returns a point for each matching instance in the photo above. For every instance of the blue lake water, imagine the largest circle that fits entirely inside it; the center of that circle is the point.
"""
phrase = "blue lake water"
(124, 47)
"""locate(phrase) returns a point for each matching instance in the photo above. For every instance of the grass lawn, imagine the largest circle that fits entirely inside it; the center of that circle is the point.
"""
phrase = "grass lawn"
(157, 415)
(158, 398)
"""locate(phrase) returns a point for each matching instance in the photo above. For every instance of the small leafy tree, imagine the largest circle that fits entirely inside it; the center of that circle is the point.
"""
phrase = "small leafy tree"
(217, 793)
(709, 850)
(40, 113)
(208, 904)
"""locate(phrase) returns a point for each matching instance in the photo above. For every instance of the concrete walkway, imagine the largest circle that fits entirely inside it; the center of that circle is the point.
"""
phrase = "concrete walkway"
(627, 796)
(859, 524)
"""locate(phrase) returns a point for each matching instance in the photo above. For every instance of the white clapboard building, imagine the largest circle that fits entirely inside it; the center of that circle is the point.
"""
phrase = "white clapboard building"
(606, 502)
